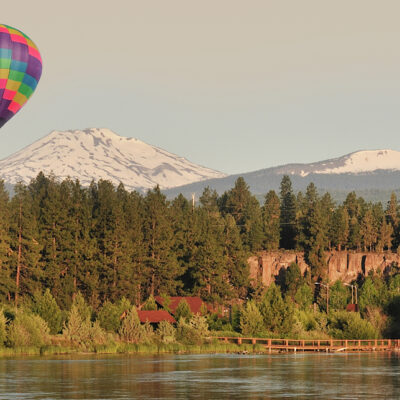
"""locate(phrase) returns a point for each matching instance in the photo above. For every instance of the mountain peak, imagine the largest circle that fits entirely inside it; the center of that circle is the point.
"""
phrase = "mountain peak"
(363, 161)
(95, 153)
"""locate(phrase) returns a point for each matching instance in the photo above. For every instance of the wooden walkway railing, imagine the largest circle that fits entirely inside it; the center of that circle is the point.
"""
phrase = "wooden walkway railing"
(328, 345)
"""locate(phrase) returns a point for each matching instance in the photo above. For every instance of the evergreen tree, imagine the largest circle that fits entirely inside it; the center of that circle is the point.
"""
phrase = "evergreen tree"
(6, 282)
(339, 229)
(47, 308)
(392, 218)
(288, 214)
(25, 247)
(314, 232)
(271, 213)
(354, 210)
(161, 263)
(245, 209)
(277, 315)
(251, 320)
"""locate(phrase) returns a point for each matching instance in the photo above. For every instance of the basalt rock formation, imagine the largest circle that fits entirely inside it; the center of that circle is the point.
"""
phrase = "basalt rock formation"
(343, 265)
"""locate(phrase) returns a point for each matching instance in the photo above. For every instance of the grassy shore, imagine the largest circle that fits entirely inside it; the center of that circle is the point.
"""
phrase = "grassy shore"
(130, 348)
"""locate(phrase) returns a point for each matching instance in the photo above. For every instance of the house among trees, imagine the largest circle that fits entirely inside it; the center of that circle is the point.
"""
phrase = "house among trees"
(156, 316)
(195, 303)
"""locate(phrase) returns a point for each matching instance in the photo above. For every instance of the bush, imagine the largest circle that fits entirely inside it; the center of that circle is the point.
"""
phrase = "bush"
(277, 313)
(84, 310)
(82, 331)
(109, 316)
(192, 332)
(131, 330)
(46, 307)
(251, 320)
(150, 304)
(183, 311)
(28, 330)
(217, 323)
(304, 297)
(3, 328)
(350, 325)
(165, 332)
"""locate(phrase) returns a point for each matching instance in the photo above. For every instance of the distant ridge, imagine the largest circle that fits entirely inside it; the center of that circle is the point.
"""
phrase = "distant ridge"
(94, 154)
(374, 173)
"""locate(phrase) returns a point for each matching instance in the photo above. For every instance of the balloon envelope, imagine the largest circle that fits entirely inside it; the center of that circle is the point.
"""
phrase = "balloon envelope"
(20, 71)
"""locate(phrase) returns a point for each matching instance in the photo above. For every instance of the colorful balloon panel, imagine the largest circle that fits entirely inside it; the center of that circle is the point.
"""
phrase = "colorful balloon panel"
(20, 71)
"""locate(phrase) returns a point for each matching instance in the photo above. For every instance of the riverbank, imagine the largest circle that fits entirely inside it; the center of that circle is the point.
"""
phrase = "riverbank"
(130, 348)
(220, 345)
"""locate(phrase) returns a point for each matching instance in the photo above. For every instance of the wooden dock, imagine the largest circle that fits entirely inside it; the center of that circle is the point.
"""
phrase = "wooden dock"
(326, 345)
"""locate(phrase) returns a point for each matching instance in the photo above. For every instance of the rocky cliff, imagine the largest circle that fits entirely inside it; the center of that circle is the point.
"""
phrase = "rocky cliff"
(344, 265)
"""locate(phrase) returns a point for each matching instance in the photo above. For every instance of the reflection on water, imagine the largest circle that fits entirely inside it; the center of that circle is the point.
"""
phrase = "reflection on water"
(300, 376)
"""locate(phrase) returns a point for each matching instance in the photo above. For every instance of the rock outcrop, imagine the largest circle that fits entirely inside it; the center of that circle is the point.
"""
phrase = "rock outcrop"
(343, 265)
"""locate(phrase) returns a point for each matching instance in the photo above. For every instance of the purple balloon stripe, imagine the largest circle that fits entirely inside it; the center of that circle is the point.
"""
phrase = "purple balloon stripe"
(34, 68)
(20, 52)
(5, 41)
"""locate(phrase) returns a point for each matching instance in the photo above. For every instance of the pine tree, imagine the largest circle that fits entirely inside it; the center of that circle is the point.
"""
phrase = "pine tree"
(288, 214)
(392, 218)
(161, 263)
(6, 282)
(24, 244)
(339, 229)
(271, 213)
(246, 211)
(207, 274)
(237, 269)
(354, 207)
(314, 232)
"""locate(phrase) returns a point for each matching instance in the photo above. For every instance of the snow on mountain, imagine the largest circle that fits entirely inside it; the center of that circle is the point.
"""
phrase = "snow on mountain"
(372, 171)
(354, 163)
(102, 154)
(365, 161)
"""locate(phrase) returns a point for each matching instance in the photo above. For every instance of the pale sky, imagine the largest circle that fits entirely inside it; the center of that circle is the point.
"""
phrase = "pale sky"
(233, 85)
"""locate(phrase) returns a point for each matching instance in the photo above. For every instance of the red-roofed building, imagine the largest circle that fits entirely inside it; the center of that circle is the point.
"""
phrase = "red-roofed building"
(196, 304)
(156, 316)
(352, 308)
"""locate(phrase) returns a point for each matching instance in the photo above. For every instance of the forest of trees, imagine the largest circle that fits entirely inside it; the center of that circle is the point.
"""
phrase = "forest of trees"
(108, 243)
(72, 259)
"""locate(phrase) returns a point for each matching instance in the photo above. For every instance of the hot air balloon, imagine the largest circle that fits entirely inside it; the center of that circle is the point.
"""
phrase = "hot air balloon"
(20, 71)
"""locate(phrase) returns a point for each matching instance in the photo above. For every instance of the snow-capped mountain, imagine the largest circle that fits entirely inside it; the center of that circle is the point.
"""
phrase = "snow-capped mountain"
(354, 163)
(102, 154)
(372, 173)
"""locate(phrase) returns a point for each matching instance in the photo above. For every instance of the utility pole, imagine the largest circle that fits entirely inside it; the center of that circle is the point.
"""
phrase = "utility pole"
(353, 288)
(327, 294)
(193, 201)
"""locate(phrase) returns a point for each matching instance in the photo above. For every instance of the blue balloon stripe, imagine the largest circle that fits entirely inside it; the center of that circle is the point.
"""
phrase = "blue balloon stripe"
(30, 81)
(5, 53)
(19, 66)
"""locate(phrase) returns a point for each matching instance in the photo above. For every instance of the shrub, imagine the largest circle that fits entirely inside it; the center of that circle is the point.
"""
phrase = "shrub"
(150, 304)
(131, 330)
(3, 328)
(109, 316)
(193, 331)
(165, 332)
(183, 311)
(28, 330)
(84, 310)
(217, 323)
(277, 313)
(147, 333)
(349, 325)
(338, 296)
(251, 320)
(304, 297)
(46, 307)
(81, 330)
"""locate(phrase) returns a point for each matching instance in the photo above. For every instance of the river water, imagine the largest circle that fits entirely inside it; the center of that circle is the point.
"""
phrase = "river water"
(275, 376)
